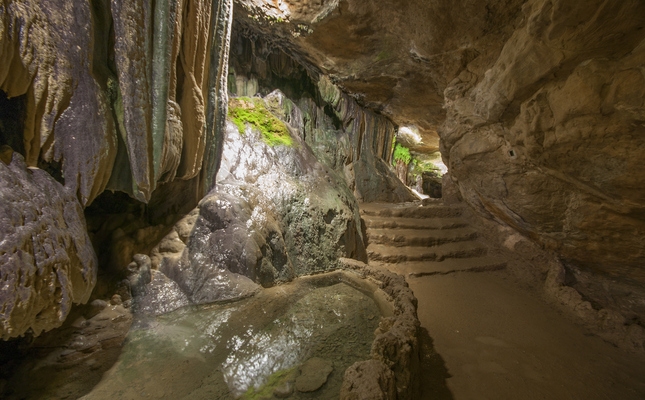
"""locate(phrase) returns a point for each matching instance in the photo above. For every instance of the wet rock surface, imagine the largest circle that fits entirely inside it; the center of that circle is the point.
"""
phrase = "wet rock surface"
(246, 349)
(276, 213)
(139, 130)
(313, 374)
(47, 262)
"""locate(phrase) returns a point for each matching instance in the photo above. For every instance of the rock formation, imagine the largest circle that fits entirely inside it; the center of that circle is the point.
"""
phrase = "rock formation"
(114, 95)
(46, 259)
(539, 106)
(276, 213)
(119, 95)
(548, 139)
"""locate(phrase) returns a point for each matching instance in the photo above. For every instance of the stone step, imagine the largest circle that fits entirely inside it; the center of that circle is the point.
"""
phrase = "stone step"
(375, 222)
(410, 210)
(416, 237)
(390, 254)
(415, 269)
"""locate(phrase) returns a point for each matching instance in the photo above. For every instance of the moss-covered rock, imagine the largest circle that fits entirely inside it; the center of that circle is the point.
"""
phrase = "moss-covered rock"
(253, 111)
(276, 213)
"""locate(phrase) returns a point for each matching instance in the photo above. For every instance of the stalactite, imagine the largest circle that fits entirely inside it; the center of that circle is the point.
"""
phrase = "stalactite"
(123, 95)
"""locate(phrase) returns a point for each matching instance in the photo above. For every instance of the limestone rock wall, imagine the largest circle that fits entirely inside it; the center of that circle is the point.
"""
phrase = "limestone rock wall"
(538, 103)
(345, 136)
(123, 95)
(550, 138)
(395, 57)
(46, 259)
(276, 213)
(115, 95)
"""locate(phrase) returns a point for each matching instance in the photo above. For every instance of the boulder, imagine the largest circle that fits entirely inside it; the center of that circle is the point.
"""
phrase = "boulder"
(276, 213)
(47, 262)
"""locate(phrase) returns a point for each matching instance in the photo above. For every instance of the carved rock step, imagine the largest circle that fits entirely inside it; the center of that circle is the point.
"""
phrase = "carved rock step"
(415, 269)
(375, 222)
(410, 210)
(416, 237)
(389, 254)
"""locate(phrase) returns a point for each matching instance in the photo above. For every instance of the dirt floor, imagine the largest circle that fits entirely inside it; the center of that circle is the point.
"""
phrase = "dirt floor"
(498, 341)
(485, 335)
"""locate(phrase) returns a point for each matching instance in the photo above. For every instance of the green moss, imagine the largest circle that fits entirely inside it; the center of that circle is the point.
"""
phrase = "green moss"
(266, 391)
(245, 110)
(401, 153)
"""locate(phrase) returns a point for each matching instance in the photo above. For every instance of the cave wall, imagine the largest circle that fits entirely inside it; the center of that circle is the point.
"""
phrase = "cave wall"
(46, 259)
(124, 95)
(538, 105)
(104, 95)
(549, 140)
(276, 213)
(346, 136)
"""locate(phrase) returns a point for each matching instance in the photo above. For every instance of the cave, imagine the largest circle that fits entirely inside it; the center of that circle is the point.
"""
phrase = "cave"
(335, 199)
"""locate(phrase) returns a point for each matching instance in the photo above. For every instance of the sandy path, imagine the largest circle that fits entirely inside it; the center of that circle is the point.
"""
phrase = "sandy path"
(486, 337)
(501, 342)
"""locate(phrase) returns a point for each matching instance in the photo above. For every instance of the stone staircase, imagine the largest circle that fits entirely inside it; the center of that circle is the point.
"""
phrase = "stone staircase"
(417, 240)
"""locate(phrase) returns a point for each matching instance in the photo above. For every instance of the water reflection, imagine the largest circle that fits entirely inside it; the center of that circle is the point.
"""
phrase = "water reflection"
(222, 351)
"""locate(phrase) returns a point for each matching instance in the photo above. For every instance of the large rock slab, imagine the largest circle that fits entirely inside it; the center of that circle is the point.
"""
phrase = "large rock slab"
(47, 262)
(276, 213)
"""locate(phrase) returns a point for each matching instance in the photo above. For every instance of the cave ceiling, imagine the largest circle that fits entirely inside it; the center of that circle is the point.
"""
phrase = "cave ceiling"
(396, 57)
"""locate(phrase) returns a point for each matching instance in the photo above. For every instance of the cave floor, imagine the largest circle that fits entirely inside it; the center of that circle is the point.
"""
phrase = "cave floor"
(486, 334)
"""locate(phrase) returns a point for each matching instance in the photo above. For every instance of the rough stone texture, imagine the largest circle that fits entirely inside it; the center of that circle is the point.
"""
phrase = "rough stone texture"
(275, 214)
(66, 362)
(352, 140)
(47, 55)
(102, 82)
(173, 244)
(139, 273)
(368, 380)
(394, 57)
(395, 346)
(549, 140)
(162, 295)
(121, 227)
(369, 141)
(539, 104)
(46, 259)
(313, 374)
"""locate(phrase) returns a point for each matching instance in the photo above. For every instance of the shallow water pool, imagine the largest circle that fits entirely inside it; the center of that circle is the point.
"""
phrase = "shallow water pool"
(229, 351)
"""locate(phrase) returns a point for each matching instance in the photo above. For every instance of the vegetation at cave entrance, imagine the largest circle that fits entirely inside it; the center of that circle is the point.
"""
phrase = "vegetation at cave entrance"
(243, 110)
(401, 153)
